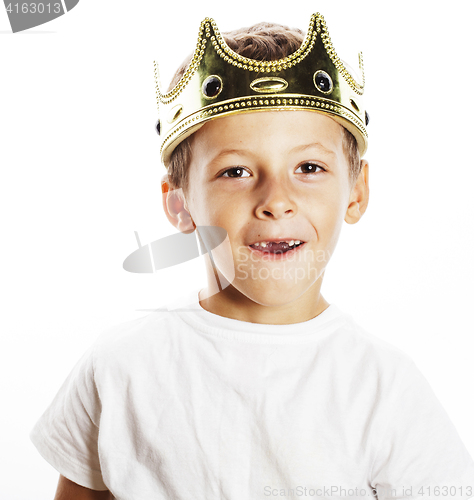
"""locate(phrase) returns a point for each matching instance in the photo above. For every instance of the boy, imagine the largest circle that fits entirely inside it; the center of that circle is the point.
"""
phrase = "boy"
(259, 387)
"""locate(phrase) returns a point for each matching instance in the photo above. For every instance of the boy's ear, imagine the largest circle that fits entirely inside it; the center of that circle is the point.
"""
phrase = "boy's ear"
(174, 205)
(359, 197)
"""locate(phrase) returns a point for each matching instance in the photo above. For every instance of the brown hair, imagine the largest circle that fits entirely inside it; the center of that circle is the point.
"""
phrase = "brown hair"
(263, 42)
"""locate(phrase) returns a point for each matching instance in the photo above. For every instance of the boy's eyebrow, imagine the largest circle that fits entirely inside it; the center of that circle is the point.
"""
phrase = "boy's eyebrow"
(230, 151)
(318, 145)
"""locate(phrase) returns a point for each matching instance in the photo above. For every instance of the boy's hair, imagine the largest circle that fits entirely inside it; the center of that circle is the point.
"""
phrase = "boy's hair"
(263, 42)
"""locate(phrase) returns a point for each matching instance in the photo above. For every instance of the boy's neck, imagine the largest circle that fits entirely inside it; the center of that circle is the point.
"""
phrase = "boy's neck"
(231, 303)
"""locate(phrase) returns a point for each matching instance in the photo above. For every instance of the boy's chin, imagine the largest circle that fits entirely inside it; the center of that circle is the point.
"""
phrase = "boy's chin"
(271, 294)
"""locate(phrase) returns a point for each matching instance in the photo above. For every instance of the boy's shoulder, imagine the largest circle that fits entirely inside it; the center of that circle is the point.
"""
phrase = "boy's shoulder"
(356, 339)
(356, 351)
(133, 337)
(136, 332)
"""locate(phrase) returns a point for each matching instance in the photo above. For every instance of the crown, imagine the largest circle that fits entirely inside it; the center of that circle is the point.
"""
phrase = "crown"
(219, 82)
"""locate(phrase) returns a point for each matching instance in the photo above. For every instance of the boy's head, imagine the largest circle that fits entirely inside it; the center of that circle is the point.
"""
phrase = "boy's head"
(263, 42)
(279, 182)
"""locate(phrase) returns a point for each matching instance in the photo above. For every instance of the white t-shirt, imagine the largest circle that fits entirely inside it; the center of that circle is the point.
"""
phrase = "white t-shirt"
(185, 404)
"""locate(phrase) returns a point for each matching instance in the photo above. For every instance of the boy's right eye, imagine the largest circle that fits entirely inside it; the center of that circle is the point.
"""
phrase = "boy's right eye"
(235, 172)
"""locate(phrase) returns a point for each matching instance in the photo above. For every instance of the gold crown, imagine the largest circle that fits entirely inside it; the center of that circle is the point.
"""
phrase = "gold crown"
(219, 82)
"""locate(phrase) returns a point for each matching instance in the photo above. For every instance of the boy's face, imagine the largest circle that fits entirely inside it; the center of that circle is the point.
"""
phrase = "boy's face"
(267, 176)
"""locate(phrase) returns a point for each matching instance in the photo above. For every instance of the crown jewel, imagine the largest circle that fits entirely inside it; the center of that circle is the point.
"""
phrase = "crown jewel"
(219, 82)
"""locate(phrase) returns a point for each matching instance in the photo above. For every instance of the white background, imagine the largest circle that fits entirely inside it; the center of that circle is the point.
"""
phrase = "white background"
(80, 173)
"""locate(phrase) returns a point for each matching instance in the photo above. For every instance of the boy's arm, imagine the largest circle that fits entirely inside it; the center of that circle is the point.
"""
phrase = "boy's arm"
(67, 490)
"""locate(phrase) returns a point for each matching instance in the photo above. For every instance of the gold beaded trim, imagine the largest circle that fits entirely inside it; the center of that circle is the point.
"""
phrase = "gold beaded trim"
(235, 59)
(231, 106)
(192, 68)
(231, 57)
(359, 89)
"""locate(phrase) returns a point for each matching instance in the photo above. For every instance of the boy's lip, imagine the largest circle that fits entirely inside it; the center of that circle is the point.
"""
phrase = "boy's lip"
(269, 256)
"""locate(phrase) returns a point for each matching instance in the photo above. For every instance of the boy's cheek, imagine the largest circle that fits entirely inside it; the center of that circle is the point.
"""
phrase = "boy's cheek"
(224, 259)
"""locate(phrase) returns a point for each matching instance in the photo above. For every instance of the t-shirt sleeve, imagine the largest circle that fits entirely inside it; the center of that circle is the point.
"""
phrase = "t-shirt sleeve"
(420, 454)
(67, 433)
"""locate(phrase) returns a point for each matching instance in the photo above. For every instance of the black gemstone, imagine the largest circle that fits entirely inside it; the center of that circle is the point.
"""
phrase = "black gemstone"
(211, 86)
(367, 118)
(158, 127)
(323, 81)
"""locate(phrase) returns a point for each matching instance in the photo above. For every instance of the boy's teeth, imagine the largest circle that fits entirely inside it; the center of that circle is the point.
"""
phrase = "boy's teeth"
(264, 244)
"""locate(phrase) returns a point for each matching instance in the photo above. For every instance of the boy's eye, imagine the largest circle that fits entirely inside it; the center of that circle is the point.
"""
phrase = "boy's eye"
(309, 168)
(235, 172)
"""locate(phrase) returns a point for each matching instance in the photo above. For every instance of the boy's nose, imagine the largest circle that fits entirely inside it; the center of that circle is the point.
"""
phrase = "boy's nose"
(276, 203)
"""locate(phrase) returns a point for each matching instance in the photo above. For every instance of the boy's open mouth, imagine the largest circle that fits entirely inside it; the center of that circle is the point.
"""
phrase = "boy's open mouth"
(276, 246)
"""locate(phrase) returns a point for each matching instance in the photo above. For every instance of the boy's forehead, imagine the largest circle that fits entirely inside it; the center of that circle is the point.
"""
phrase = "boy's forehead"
(296, 126)
(268, 133)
